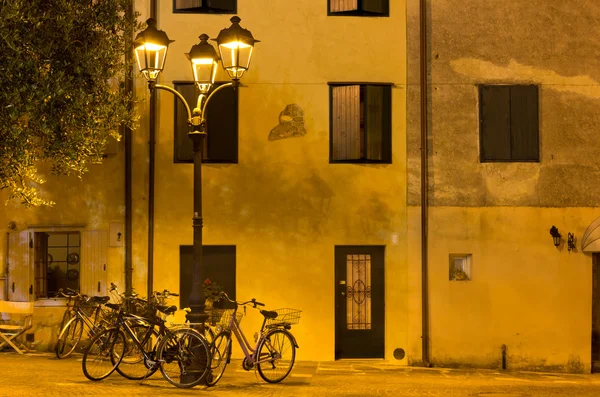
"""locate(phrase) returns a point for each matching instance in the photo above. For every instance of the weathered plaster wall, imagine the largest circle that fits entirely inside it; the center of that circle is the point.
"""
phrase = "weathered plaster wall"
(284, 206)
(522, 42)
(525, 293)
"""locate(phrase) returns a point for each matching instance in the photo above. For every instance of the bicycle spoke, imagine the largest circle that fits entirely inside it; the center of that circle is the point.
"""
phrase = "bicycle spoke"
(184, 358)
(278, 353)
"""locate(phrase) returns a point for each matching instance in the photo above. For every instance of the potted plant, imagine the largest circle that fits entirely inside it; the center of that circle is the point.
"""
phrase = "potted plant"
(212, 292)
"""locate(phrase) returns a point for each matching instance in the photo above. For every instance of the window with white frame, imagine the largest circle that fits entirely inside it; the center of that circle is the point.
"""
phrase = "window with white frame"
(42, 262)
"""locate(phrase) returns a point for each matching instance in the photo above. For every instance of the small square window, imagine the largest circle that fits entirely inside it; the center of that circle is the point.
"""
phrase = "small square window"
(205, 6)
(360, 123)
(508, 117)
(460, 267)
(221, 143)
(373, 8)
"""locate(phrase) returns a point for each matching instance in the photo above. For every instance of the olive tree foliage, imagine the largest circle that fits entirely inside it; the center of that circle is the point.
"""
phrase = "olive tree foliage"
(62, 69)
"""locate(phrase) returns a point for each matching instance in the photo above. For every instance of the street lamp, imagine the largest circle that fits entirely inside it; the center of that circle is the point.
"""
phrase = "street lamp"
(235, 45)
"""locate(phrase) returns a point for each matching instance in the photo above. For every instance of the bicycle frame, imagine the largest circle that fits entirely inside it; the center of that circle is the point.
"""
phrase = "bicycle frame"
(249, 352)
(123, 324)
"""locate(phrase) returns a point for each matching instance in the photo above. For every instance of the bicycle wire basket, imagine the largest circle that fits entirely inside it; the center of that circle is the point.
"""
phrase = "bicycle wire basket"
(285, 316)
(222, 317)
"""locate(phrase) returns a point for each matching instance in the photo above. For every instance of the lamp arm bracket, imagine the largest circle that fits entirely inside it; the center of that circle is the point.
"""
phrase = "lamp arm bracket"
(211, 95)
(177, 94)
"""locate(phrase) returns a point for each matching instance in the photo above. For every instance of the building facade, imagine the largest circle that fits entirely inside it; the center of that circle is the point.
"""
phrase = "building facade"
(312, 183)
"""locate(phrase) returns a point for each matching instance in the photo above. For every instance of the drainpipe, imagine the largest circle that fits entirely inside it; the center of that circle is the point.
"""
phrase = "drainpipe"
(424, 184)
(128, 179)
(151, 168)
(7, 269)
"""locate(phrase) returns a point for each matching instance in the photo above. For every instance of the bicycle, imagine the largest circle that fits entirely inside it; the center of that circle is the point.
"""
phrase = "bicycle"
(76, 318)
(182, 353)
(275, 350)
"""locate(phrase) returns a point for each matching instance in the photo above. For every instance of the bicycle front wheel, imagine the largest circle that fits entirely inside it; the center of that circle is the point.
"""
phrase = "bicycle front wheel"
(134, 366)
(220, 350)
(276, 354)
(184, 357)
(98, 361)
(69, 337)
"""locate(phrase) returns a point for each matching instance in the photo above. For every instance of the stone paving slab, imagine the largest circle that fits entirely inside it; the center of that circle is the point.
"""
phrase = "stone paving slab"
(44, 375)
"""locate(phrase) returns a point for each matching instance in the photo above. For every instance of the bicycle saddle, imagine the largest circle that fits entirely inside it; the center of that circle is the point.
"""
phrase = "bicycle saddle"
(166, 309)
(268, 314)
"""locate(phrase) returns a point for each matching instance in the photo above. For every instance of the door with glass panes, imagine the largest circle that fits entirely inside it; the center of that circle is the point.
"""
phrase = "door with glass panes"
(359, 302)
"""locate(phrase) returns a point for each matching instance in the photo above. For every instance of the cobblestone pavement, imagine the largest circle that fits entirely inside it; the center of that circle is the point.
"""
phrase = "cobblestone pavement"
(44, 375)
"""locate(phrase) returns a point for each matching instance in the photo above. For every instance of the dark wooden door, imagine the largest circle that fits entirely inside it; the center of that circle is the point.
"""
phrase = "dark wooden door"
(359, 302)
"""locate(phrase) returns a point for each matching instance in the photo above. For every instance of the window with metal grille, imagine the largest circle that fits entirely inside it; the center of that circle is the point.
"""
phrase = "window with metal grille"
(221, 143)
(376, 8)
(508, 123)
(360, 123)
(205, 6)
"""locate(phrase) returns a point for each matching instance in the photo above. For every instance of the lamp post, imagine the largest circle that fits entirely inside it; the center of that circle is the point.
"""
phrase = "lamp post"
(235, 46)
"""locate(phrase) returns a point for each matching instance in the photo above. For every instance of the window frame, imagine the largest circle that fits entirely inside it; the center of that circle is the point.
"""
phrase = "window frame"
(386, 144)
(359, 12)
(177, 120)
(485, 116)
(203, 10)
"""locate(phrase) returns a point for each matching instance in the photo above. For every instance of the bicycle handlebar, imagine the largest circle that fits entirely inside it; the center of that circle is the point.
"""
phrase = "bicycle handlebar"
(252, 301)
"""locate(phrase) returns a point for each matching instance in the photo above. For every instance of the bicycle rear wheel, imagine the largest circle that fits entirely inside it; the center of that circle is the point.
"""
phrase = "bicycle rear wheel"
(220, 350)
(98, 362)
(279, 348)
(184, 357)
(69, 337)
(134, 366)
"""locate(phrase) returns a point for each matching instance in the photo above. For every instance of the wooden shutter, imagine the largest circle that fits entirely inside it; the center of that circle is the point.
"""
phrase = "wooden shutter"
(375, 6)
(222, 5)
(343, 5)
(494, 110)
(345, 125)
(20, 263)
(222, 127)
(373, 121)
(94, 246)
(524, 131)
(188, 4)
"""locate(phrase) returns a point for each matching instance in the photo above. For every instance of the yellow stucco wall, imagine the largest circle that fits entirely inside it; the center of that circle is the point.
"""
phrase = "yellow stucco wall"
(284, 206)
(91, 203)
(524, 293)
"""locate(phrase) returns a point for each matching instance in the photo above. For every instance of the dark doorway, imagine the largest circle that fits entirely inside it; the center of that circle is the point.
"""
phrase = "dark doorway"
(219, 267)
(596, 313)
(359, 302)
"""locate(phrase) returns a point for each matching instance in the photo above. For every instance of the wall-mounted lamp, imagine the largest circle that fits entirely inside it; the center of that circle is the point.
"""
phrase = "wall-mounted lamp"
(555, 235)
(570, 241)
